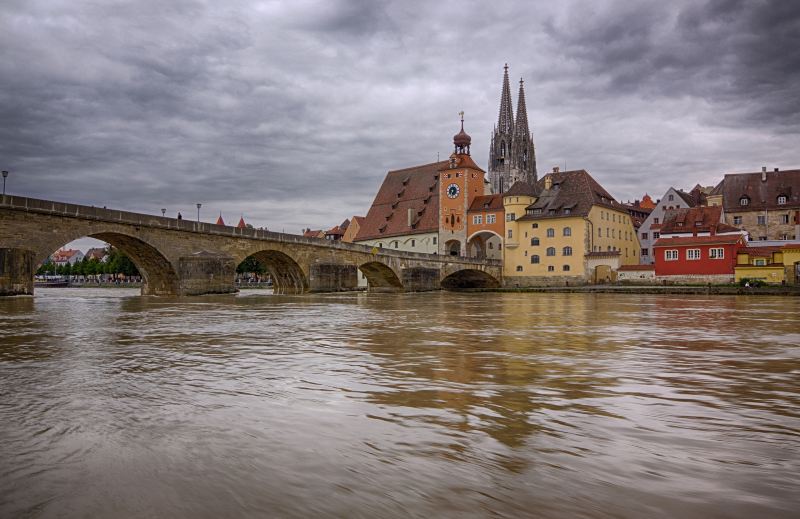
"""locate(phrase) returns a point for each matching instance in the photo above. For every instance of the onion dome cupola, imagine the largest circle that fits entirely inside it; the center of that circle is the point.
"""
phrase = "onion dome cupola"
(462, 140)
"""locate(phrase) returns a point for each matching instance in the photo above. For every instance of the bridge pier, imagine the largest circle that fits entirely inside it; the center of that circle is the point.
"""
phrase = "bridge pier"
(206, 273)
(420, 279)
(332, 277)
(16, 272)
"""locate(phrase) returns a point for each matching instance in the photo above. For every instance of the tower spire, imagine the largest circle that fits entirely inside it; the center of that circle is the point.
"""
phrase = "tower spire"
(505, 121)
(521, 124)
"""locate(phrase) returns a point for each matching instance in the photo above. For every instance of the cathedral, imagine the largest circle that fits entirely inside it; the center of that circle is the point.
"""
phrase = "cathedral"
(512, 156)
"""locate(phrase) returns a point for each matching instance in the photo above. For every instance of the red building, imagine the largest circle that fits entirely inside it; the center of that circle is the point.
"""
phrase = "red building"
(698, 258)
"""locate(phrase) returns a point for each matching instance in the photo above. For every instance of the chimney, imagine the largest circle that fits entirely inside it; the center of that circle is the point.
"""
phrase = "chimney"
(548, 179)
(410, 216)
(776, 170)
(555, 169)
(763, 169)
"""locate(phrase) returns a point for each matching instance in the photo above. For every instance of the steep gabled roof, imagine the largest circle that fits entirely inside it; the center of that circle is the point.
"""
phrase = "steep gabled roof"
(521, 188)
(415, 189)
(695, 220)
(575, 191)
(762, 194)
(487, 203)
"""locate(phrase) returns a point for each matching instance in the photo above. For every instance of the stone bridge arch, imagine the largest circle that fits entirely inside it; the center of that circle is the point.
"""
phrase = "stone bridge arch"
(469, 278)
(288, 276)
(159, 275)
(381, 277)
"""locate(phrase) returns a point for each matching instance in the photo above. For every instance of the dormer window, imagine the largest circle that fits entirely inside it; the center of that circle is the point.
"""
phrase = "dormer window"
(782, 200)
(745, 200)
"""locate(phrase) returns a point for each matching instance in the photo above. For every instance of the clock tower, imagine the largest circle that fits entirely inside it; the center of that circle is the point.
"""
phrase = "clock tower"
(460, 181)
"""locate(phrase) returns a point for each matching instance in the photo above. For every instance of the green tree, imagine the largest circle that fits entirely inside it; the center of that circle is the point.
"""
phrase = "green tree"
(250, 265)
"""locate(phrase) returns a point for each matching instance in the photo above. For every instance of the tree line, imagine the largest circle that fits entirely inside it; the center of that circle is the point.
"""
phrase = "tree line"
(116, 262)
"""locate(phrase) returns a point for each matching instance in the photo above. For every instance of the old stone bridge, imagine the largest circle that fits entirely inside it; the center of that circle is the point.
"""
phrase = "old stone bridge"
(181, 257)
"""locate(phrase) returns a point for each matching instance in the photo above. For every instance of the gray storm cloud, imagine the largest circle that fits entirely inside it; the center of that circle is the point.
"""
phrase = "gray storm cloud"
(291, 112)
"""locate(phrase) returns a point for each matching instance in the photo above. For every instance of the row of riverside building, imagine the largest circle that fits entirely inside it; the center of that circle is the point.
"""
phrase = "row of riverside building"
(566, 229)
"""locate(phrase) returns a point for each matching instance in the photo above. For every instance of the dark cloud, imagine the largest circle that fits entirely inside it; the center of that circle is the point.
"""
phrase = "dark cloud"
(291, 112)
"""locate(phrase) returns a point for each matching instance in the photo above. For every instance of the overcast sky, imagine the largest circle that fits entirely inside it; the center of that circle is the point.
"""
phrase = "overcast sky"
(292, 112)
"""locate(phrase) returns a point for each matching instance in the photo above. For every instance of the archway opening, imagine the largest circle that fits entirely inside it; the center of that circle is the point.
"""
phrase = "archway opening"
(116, 259)
(453, 247)
(604, 274)
(380, 277)
(283, 271)
(469, 278)
(485, 245)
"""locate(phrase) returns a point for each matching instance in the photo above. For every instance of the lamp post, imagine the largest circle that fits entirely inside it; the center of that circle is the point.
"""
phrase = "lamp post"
(198, 211)
(163, 211)
(5, 176)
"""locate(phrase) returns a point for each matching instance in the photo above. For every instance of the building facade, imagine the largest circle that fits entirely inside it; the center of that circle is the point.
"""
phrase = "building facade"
(773, 265)
(512, 155)
(485, 227)
(565, 229)
(766, 204)
(697, 259)
(650, 230)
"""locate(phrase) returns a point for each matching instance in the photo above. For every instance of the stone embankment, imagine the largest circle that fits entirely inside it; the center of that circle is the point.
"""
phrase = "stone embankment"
(660, 289)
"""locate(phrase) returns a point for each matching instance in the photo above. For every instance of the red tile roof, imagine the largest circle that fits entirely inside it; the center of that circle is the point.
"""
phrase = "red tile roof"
(241, 224)
(695, 219)
(761, 252)
(576, 191)
(487, 202)
(521, 188)
(415, 189)
(725, 239)
(220, 221)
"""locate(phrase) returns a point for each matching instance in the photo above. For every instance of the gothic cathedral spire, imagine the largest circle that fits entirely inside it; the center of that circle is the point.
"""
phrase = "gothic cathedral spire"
(512, 156)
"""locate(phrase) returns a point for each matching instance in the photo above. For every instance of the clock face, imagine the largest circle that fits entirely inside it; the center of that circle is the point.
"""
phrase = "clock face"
(453, 190)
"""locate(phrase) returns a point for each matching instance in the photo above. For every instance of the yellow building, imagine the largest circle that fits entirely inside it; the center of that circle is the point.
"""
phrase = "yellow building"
(774, 265)
(565, 229)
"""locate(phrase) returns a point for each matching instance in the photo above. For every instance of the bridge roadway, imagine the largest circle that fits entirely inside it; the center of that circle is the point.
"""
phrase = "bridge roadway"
(182, 257)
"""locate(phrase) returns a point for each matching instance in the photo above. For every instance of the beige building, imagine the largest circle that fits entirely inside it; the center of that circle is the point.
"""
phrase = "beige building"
(565, 229)
(766, 204)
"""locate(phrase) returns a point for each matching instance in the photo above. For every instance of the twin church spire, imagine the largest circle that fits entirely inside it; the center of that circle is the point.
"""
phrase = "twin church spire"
(512, 156)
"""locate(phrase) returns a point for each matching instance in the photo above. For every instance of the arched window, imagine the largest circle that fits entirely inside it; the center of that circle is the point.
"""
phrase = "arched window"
(535, 259)
(502, 150)
(565, 268)
(745, 200)
(567, 251)
(551, 251)
(567, 231)
(551, 232)
(534, 241)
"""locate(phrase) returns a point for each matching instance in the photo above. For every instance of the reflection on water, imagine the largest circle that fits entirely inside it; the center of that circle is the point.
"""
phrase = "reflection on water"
(420, 405)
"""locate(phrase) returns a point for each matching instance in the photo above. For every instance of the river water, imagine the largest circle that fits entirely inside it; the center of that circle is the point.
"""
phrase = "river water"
(413, 405)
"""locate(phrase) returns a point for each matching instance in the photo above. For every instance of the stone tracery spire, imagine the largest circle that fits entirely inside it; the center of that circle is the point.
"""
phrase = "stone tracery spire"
(505, 121)
(521, 124)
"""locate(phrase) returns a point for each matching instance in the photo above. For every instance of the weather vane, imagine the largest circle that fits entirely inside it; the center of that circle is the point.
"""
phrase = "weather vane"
(461, 113)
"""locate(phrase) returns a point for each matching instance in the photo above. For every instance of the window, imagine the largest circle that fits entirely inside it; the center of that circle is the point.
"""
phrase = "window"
(645, 252)
(762, 238)
(396, 244)
(744, 201)
(535, 259)
(551, 251)
(671, 198)
(737, 220)
(380, 245)
(551, 232)
(599, 232)
(510, 217)
(510, 233)
(565, 268)
(782, 200)
(537, 211)
(613, 233)
(656, 235)
(535, 226)
(760, 262)
(655, 220)
(692, 254)
(519, 268)
(670, 255)
(762, 219)
(491, 218)
(567, 211)
(607, 232)
(413, 242)
(567, 251)
(716, 253)
(550, 268)
(477, 219)
(567, 231)
(784, 218)
(534, 242)
(434, 240)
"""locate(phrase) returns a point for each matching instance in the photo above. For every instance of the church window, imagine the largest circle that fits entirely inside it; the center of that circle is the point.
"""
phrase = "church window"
(534, 242)
(567, 231)
(551, 251)
(567, 251)
(565, 268)
(551, 232)
(502, 150)
(535, 259)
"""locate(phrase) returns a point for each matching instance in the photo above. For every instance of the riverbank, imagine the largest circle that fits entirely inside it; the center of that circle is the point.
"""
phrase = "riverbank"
(659, 289)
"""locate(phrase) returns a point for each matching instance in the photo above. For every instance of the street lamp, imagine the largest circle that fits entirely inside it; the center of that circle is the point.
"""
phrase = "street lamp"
(5, 175)
(163, 211)
(198, 211)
